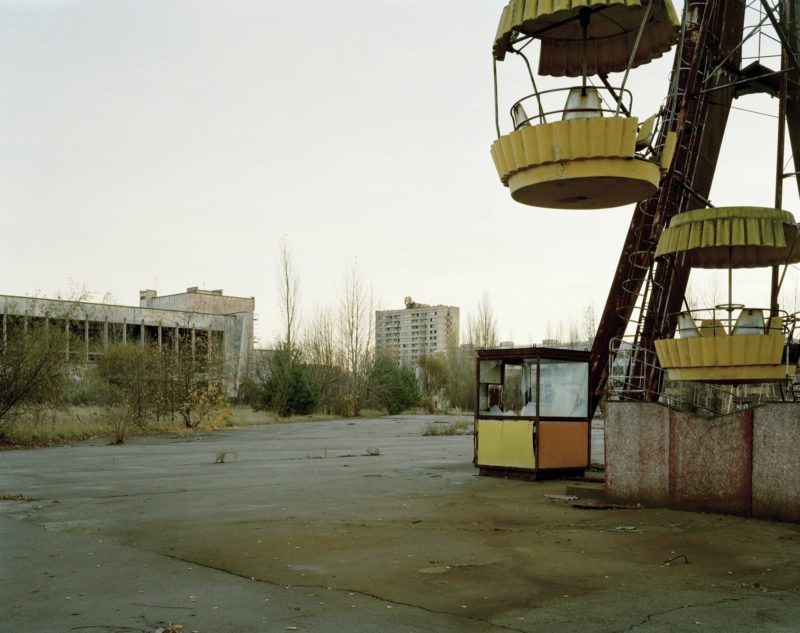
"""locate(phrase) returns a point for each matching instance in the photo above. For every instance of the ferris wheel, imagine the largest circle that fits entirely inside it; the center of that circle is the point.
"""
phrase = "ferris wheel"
(582, 146)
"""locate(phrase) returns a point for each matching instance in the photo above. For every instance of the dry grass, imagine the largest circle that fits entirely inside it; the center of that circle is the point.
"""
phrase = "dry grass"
(242, 416)
(58, 427)
(459, 426)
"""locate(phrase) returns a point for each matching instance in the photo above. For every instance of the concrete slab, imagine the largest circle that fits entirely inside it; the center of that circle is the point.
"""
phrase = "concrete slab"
(359, 526)
(776, 462)
(710, 462)
(746, 463)
(637, 436)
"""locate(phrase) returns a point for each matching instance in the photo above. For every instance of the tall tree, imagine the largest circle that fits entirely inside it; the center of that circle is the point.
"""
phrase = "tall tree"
(432, 373)
(283, 378)
(482, 327)
(356, 331)
(289, 295)
(321, 353)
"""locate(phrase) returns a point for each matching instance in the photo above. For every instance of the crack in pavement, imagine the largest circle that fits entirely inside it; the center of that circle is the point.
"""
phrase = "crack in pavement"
(685, 606)
(356, 592)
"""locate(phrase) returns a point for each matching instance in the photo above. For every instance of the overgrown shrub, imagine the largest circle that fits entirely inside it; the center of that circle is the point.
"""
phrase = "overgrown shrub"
(390, 387)
(346, 405)
(287, 389)
(128, 371)
(459, 426)
(249, 393)
(86, 387)
(32, 371)
(426, 403)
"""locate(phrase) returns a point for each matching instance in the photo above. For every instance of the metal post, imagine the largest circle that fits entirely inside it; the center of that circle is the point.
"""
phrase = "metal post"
(633, 53)
(496, 102)
(775, 285)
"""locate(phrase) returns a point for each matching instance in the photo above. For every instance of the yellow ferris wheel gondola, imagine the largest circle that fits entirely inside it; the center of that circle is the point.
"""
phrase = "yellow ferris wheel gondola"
(612, 27)
(729, 343)
(585, 151)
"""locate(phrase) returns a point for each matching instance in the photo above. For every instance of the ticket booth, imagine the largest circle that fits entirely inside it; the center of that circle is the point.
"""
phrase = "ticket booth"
(532, 412)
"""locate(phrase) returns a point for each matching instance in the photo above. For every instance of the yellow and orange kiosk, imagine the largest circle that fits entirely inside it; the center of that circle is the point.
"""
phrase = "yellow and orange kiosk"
(531, 411)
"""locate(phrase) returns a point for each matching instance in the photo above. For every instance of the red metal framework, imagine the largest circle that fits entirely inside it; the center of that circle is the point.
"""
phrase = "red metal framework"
(707, 76)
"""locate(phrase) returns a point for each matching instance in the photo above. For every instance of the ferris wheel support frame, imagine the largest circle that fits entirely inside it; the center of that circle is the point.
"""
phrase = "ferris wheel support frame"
(713, 34)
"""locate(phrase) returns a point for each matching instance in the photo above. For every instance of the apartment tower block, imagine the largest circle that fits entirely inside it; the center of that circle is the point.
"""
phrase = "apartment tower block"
(415, 331)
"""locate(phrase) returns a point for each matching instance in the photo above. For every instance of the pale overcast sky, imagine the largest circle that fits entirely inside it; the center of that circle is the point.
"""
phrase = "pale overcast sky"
(169, 143)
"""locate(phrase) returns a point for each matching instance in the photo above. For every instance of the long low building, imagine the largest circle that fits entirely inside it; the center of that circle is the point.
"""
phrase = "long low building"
(198, 319)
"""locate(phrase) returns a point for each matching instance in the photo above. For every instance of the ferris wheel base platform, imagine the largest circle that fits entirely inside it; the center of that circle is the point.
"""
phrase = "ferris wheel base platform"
(746, 463)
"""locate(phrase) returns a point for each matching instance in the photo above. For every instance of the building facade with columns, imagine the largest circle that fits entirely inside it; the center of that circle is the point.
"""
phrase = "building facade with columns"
(199, 319)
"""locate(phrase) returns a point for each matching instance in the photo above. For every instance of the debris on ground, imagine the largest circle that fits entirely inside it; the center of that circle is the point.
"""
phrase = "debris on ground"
(602, 505)
(554, 497)
(678, 557)
(624, 528)
(15, 497)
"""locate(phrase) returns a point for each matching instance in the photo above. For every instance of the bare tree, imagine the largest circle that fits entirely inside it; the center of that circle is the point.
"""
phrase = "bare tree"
(356, 331)
(554, 333)
(574, 334)
(460, 386)
(289, 295)
(323, 356)
(319, 346)
(286, 387)
(482, 328)
(589, 322)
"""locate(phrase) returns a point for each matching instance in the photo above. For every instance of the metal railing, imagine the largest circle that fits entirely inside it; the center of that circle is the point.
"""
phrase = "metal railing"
(628, 364)
(543, 102)
(731, 320)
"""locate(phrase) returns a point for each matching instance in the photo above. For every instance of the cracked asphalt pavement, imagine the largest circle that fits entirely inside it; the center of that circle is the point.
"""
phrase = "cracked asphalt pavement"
(354, 526)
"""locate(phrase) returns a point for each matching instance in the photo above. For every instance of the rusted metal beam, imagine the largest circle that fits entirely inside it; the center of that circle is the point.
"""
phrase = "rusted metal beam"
(639, 243)
(791, 26)
(713, 32)
(726, 26)
(786, 54)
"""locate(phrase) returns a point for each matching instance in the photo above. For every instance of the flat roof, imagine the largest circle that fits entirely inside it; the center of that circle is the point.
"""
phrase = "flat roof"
(124, 307)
